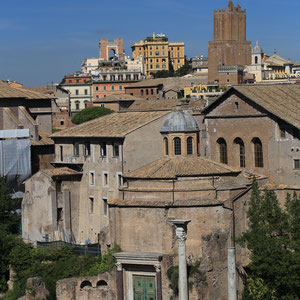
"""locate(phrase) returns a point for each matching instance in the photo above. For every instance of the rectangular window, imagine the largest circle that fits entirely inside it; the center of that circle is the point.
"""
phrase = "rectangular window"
(103, 151)
(296, 163)
(128, 77)
(115, 149)
(151, 91)
(105, 179)
(104, 88)
(91, 205)
(120, 77)
(112, 77)
(142, 92)
(76, 92)
(92, 178)
(157, 66)
(97, 88)
(156, 52)
(150, 52)
(105, 206)
(151, 60)
(76, 149)
(87, 149)
(120, 88)
(135, 77)
(147, 92)
(119, 179)
(85, 91)
(112, 88)
(61, 153)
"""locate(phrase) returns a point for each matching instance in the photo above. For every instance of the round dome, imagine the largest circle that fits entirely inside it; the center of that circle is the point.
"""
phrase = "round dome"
(179, 121)
(257, 49)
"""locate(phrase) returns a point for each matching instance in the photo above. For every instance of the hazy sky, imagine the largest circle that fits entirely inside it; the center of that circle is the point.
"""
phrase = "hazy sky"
(43, 40)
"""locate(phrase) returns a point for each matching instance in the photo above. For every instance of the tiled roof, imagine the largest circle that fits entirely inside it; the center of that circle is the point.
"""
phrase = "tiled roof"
(166, 104)
(282, 100)
(172, 167)
(43, 139)
(7, 91)
(59, 172)
(117, 97)
(115, 125)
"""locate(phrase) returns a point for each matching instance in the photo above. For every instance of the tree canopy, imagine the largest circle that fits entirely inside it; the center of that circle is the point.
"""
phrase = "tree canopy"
(273, 238)
(90, 113)
(184, 70)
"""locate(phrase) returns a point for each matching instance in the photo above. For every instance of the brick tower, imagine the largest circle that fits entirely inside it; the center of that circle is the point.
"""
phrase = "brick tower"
(229, 46)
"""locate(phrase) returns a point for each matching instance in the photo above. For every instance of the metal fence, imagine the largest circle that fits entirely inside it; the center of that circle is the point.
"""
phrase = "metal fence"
(88, 249)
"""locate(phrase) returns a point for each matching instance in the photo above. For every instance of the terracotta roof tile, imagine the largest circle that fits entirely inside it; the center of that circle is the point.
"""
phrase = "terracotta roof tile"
(117, 97)
(282, 100)
(172, 167)
(7, 91)
(59, 172)
(43, 139)
(115, 125)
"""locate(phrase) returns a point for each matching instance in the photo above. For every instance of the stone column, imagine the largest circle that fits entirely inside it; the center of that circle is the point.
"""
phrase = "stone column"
(120, 288)
(181, 232)
(158, 282)
(231, 269)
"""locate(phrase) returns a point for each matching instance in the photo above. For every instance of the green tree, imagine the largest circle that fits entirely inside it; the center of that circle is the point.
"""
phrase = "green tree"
(90, 113)
(184, 70)
(273, 239)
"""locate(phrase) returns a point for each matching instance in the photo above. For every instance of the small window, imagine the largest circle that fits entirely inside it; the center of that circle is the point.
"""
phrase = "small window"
(103, 151)
(296, 163)
(147, 92)
(61, 153)
(120, 88)
(76, 92)
(77, 104)
(151, 91)
(120, 77)
(256, 59)
(97, 88)
(241, 151)
(85, 91)
(128, 77)
(177, 146)
(87, 149)
(112, 88)
(62, 122)
(76, 149)
(85, 103)
(189, 145)
(282, 132)
(115, 149)
(91, 205)
(119, 179)
(104, 88)
(105, 179)
(59, 214)
(105, 206)
(166, 146)
(92, 178)
(142, 92)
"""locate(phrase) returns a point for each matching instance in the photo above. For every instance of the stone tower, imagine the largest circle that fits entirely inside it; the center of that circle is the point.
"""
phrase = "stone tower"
(229, 46)
(105, 46)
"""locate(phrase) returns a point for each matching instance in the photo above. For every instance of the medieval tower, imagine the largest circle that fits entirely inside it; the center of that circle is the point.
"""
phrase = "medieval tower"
(229, 47)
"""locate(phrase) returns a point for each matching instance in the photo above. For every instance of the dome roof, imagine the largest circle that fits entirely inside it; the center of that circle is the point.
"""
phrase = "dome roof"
(257, 49)
(179, 121)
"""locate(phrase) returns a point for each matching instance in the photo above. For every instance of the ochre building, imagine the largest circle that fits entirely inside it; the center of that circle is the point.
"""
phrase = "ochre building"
(159, 54)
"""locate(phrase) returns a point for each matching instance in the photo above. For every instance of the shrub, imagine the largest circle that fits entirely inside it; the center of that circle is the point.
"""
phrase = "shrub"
(90, 113)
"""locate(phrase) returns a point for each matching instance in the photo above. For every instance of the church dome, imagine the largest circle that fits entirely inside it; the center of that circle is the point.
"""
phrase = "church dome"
(257, 49)
(179, 121)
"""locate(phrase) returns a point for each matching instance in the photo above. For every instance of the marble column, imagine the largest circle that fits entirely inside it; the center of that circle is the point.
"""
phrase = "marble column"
(181, 234)
(158, 282)
(120, 288)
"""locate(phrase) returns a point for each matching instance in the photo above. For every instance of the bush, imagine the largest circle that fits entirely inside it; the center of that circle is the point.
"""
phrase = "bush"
(90, 113)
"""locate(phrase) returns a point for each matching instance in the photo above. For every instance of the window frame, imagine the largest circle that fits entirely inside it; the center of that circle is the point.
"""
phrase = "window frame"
(177, 146)
(190, 145)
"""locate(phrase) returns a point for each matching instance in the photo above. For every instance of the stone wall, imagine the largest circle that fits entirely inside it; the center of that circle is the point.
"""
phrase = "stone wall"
(98, 287)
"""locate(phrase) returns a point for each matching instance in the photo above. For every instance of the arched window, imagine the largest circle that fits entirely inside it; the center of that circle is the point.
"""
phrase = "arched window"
(189, 145)
(177, 146)
(256, 60)
(258, 153)
(85, 284)
(166, 146)
(222, 151)
(241, 151)
(77, 103)
(102, 283)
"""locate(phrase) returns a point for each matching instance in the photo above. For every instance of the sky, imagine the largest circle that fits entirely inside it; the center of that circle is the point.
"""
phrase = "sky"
(43, 40)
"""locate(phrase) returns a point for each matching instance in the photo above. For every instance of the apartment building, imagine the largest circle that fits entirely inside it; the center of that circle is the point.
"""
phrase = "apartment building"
(159, 53)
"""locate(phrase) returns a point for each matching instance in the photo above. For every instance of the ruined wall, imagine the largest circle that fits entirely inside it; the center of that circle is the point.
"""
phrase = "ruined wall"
(102, 286)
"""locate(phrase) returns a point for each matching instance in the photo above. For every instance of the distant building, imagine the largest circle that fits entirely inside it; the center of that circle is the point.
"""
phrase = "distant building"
(229, 47)
(159, 54)
(200, 65)
(80, 90)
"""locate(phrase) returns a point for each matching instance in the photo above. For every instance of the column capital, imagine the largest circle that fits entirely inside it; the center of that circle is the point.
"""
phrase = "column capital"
(157, 268)
(119, 266)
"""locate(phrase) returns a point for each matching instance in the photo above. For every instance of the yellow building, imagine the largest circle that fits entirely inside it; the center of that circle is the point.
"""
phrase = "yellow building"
(159, 54)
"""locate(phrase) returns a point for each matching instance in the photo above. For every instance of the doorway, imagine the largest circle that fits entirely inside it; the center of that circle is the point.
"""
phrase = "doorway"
(144, 287)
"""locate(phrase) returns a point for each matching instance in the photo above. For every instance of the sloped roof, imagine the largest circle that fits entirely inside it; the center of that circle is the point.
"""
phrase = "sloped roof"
(7, 91)
(115, 125)
(173, 167)
(43, 139)
(281, 100)
(59, 172)
(117, 97)
(276, 60)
